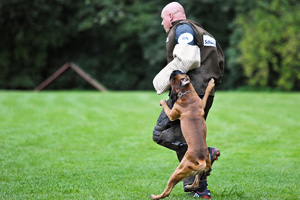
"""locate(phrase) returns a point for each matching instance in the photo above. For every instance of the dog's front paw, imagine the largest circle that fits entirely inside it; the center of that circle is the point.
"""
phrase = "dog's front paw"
(211, 84)
(162, 102)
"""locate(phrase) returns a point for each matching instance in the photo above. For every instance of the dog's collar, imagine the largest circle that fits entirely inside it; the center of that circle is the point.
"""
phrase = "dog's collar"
(180, 94)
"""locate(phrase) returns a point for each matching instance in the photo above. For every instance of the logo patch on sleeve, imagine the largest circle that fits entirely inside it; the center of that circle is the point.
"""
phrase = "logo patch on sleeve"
(185, 38)
(209, 41)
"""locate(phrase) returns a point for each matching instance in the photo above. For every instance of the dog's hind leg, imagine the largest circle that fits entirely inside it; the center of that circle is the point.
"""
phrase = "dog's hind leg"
(200, 169)
(171, 183)
(195, 183)
(179, 174)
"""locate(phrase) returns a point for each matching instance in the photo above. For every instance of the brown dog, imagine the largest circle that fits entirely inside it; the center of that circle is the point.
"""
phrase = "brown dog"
(189, 108)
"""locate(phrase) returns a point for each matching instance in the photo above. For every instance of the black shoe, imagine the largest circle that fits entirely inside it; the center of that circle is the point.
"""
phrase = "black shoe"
(203, 195)
(214, 154)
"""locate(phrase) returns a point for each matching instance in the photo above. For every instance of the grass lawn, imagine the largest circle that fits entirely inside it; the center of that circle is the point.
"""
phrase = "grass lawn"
(91, 145)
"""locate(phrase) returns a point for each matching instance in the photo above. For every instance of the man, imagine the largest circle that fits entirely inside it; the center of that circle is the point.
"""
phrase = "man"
(183, 31)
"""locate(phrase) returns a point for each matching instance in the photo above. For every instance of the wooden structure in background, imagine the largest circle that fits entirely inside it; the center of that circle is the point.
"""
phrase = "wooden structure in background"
(79, 71)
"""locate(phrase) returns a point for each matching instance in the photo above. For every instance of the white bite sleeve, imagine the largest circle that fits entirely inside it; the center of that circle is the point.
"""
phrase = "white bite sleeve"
(186, 58)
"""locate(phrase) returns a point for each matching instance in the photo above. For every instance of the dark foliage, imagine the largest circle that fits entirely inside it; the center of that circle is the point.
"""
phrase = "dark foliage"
(120, 43)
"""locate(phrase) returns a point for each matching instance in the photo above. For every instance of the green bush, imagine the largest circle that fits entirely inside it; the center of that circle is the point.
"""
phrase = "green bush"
(270, 46)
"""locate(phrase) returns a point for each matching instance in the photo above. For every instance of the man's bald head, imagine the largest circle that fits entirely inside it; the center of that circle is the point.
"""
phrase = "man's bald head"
(170, 13)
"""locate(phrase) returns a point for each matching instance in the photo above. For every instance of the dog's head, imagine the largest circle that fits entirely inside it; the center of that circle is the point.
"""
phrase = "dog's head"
(179, 81)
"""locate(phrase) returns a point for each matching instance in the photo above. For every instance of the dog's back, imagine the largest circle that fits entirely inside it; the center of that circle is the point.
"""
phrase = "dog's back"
(193, 124)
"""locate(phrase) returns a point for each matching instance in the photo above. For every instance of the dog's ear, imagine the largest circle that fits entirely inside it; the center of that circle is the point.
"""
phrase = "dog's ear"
(184, 81)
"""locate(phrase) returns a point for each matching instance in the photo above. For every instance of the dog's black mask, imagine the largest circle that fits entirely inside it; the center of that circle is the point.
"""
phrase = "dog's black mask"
(172, 94)
(175, 73)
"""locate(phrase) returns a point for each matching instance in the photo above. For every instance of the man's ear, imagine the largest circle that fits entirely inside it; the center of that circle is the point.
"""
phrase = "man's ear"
(171, 16)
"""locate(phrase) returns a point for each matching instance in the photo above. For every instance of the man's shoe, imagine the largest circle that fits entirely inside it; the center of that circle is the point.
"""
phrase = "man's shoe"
(204, 195)
(214, 153)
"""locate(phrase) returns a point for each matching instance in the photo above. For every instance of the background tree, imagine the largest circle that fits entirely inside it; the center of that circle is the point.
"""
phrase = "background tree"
(32, 32)
(122, 43)
(270, 46)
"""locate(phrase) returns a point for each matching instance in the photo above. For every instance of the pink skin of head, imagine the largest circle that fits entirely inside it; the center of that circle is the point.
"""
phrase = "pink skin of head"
(170, 13)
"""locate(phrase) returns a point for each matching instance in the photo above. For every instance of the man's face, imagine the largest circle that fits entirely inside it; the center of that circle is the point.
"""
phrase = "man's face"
(166, 20)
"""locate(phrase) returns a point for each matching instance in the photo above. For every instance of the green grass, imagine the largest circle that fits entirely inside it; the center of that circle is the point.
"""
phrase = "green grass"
(91, 145)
